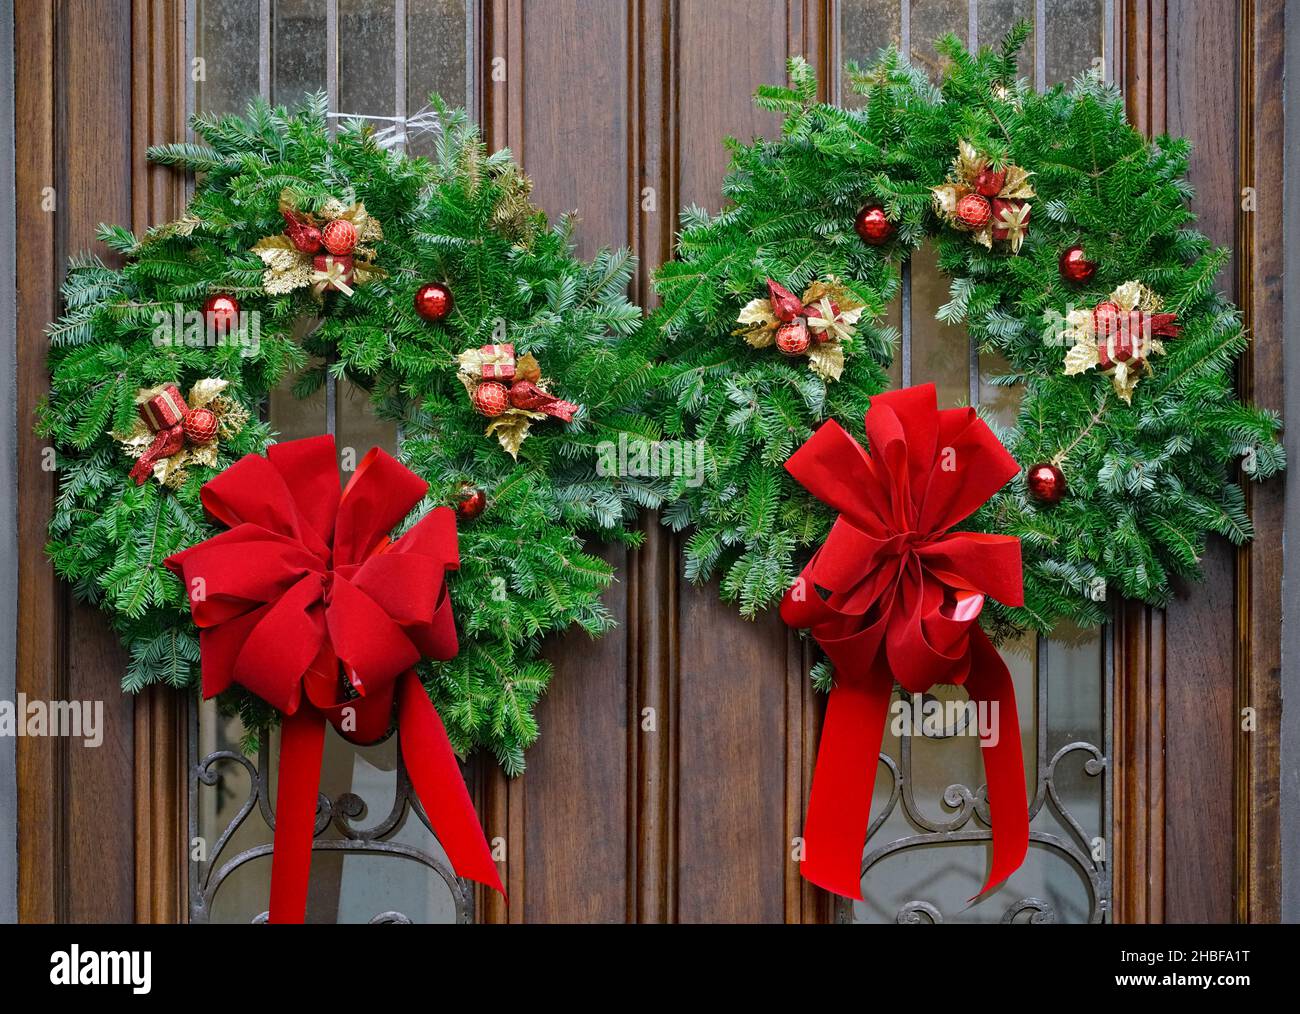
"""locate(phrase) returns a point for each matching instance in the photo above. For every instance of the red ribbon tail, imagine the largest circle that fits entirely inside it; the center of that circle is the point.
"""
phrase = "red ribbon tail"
(302, 745)
(1004, 766)
(839, 804)
(436, 778)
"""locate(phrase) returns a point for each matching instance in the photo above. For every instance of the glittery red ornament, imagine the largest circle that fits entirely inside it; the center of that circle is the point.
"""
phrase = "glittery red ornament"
(200, 425)
(470, 502)
(1046, 483)
(220, 314)
(792, 337)
(339, 237)
(303, 235)
(873, 227)
(1105, 320)
(1075, 268)
(491, 398)
(973, 211)
(990, 183)
(785, 304)
(433, 301)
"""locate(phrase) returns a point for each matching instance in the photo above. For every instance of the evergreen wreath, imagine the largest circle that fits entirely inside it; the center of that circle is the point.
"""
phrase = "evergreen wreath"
(300, 226)
(1057, 223)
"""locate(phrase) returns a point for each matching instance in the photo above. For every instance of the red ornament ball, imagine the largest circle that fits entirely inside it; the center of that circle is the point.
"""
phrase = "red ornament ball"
(433, 302)
(1105, 319)
(1046, 483)
(491, 398)
(792, 337)
(200, 425)
(990, 183)
(1075, 268)
(470, 502)
(873, 227)
(973, 211)
(220, 313)
(339, 237)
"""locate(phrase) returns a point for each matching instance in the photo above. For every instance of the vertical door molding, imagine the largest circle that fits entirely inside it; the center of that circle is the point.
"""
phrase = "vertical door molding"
(41, 600)
(159, 89)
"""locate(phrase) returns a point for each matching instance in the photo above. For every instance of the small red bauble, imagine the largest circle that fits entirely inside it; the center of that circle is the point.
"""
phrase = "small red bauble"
(1046, 483)
(200, 425)
(1105, 319)
(220, 313)
(973, 211)
(433, 301)
(1075, 268)
(990, 183)
(491, 398)
(792, 337)
(873, 227)
(470, 502)
(785, 304)
(339, 237)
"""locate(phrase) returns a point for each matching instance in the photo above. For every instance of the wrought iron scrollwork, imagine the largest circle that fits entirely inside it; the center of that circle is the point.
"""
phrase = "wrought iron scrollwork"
(968, 821)
(342, 812)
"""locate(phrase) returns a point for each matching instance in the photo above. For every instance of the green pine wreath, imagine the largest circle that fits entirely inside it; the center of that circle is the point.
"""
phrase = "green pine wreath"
(461, 218)
(1147, 481)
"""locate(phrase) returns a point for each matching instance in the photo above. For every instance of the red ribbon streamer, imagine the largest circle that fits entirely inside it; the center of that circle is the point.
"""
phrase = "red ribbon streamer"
(903, 600)
(307, 585)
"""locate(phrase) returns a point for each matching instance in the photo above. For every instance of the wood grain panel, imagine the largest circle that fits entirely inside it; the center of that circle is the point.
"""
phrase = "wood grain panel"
(565, 114)
(1201, 67)
(94, 126)
(158, 116)
(1259, 580)
(41, 667)
(732, 842)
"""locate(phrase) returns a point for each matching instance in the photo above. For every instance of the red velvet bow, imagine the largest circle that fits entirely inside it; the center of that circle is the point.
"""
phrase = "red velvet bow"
(306, 603)
(903, 600)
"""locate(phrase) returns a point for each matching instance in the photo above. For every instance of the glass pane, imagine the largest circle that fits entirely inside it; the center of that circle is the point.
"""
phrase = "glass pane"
(230, 64)
(931, 20)
(299, 50)
(375, 859)
(1074, 37)
(939, 350)
(367, 70)
(357, 426)
(929, 854)
(996, 18)
(404, 877)
(438, 58)
(866, 27)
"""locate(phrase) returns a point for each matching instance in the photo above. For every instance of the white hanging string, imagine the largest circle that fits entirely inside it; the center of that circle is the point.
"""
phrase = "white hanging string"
(402, 128)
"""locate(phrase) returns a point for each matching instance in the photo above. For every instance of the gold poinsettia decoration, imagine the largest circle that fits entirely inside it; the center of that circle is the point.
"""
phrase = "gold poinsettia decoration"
(170, 433)
(511, 392)
(332, 250)
(991, 204)
(815, 326)
(1118, 336)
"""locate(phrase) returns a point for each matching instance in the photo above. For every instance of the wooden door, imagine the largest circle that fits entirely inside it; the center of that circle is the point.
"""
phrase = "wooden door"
(617, 109)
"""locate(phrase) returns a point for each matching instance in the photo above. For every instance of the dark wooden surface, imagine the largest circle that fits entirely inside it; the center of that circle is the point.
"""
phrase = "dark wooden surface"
(693, 821)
